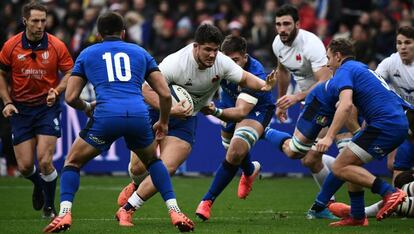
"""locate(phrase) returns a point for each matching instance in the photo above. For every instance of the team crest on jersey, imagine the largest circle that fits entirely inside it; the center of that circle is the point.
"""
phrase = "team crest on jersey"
(321, 120)
(298, 58)
(215, 79)
(378, 150)
(21, 57)
(45, 56)
(397, 74)
(189, 82)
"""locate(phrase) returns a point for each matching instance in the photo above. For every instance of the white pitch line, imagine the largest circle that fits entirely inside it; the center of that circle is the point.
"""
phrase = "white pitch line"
(136, 219)
(87, 187)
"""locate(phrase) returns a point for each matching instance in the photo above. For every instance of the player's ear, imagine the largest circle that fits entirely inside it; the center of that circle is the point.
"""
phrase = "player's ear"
(123, 34)
(24, 21)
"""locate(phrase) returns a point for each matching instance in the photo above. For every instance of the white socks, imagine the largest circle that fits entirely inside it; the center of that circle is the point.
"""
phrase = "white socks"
(328, 161)
(172, 205)
(321, 176)
(136, 201)
(372, 210)
(65, 207)
(48, 178)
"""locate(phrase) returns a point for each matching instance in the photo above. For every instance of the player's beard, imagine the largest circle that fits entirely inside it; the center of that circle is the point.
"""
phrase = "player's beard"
(291, 36)
(201, 64)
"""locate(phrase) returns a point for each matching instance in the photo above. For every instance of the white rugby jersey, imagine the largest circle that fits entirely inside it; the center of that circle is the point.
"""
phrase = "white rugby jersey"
(182, 69)
(400, 77)
(306, 55)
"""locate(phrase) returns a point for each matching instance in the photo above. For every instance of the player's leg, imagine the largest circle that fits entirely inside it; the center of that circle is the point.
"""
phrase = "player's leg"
(137, 172)
(159, 179)
(45, 151)
(24, 144)
(24, 152)
(47, 128)
(356, 215)
(80, 153)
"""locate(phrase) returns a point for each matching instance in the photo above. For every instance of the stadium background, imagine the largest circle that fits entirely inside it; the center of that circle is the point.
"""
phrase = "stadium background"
(163, 27)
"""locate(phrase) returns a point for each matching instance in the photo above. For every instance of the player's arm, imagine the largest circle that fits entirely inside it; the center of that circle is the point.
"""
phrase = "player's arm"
(74, 88)
(55, 92)
(151, 98)
(251, 81)
(9, 108)
(342, 112)
(244, 104)
(159, 94)
(283, 80)
(4, 88)
(287, 101)
(321, 75)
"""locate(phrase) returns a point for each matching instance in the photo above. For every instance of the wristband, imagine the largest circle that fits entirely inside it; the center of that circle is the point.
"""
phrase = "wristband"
(217, 112)
(8, 103)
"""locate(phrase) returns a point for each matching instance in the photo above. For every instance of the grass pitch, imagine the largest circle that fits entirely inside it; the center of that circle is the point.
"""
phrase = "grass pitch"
(276, 205)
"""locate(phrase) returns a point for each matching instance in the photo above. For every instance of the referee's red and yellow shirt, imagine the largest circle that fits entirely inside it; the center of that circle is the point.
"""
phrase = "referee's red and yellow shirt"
(34, 70)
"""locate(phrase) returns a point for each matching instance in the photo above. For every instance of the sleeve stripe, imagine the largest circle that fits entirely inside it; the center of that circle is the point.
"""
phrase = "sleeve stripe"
(151, 71)
(79, 74)
(345, 87)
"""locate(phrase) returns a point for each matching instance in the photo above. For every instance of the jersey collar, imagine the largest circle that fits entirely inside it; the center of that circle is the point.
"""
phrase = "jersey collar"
(42, 46)
(347, 59)
(247, 65)
(112, 38)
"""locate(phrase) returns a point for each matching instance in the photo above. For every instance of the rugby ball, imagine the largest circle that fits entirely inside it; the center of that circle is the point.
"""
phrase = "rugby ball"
(179, 93)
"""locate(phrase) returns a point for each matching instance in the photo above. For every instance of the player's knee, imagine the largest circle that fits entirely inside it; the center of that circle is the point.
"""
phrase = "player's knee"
(236, 155)
(25, 169)
(45, 166)
(311, 162)
(337, 169)
(135, 169)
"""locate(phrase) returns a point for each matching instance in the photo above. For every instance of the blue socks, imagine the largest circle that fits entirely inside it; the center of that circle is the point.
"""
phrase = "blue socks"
(223, 177)
(275, 137)
(357, 204)
(161, 179)
(381, 187)
(329, 188)
(69, 183)
(247, 166)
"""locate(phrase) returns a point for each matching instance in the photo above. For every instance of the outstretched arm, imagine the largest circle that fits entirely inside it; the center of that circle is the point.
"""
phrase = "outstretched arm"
(341, 114)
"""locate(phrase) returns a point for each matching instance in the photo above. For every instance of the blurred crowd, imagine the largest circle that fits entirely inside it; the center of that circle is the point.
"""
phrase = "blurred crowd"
(163, 26)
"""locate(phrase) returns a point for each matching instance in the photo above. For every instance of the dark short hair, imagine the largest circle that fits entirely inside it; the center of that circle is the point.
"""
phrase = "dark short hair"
(404, 177)
(407, 31)
(26, 9)
(110, 23)
(207, 33)
(288, 9)
(343, 46)
(233, 44)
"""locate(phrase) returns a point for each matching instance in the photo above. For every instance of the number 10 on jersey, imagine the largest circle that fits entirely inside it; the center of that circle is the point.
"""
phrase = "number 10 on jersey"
(118, 66)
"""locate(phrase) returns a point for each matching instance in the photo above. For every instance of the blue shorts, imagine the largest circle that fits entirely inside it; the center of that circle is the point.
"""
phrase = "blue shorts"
(103, 131)
(263, 115)
(35, 120)
(377, 142)
(311, 121)
(180, 128)
(404, 160)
